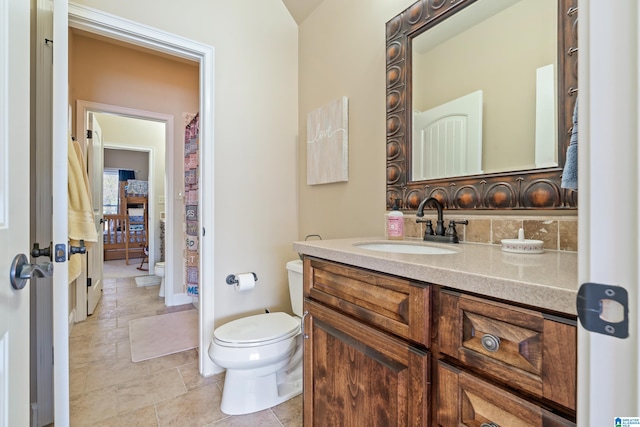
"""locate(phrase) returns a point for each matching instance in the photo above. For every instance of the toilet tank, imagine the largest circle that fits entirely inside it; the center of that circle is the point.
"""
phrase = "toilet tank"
(294, 269)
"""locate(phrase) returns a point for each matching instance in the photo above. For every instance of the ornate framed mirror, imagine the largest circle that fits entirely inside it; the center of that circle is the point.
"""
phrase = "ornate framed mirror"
(528, 186)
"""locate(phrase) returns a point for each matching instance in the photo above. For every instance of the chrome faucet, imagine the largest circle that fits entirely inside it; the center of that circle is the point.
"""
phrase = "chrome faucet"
(450, 235)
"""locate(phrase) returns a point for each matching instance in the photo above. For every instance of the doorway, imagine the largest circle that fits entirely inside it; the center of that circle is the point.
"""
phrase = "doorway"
(144, 160)
(147, 133)
(92, 21)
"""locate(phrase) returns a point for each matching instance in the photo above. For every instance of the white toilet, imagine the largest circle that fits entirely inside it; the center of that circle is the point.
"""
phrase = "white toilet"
(158, 270)
(262, 355)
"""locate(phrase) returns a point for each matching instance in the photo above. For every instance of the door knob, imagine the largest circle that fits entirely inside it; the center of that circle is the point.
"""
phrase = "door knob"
(82, 249)
(37, 252)
(21, 271)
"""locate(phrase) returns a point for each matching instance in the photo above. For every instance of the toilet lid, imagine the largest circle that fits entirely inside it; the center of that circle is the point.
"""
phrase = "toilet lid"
(258, 329)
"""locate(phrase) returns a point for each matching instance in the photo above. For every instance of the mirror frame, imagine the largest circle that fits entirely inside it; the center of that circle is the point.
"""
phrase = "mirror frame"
(525, 189)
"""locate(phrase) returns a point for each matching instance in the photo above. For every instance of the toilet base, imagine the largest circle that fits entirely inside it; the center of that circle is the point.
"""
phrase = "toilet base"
(244, 393)
(161, 292)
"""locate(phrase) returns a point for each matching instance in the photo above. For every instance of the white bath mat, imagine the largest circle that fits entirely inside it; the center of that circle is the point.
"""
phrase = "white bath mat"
(147, 280)
(156, 336)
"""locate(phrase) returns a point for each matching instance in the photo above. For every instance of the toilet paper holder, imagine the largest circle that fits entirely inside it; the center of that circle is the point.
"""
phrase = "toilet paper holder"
(231, 279)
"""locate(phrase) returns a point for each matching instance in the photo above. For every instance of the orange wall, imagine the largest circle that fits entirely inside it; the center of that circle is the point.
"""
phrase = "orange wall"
(112, 74)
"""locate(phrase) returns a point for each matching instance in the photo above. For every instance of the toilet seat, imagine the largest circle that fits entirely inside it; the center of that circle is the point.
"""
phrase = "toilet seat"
(257, 330)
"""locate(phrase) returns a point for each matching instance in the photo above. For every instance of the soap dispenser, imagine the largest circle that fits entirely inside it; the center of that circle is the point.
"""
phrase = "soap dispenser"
(395, 222)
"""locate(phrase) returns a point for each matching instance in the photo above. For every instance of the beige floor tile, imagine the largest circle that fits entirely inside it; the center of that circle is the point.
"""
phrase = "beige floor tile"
(123, 350)
(192, 378)
(77, 380)
(195, 408)
(152, 309)
(123, 291)
(108, 291)
(124, 285)
(133, 299)
(290, 412)
(92, 407)
(262, 419)
(107, 389)
(91, 354)
(111, 336)
(112, 313)
(171, 361)
(78, 342)
(91, 327)
(107, 301)
(142, 417)
(112, 372)
(151, 389)
(123, 321)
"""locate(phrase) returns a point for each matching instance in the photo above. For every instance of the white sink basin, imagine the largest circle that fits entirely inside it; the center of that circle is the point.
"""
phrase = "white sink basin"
(405, 248)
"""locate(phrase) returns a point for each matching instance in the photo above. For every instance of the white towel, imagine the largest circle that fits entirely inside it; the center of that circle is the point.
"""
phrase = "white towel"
(80, 216)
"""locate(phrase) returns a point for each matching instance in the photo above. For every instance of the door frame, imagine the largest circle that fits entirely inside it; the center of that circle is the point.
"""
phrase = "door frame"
(82, 110)
(110, 26)
(608, 153)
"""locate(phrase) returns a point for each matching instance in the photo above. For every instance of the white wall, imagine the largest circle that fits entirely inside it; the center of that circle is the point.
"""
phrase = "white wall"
(255, 130)
(342, 53)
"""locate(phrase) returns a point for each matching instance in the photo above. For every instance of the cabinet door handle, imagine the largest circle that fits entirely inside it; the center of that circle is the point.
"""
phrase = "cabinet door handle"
(490, 343)
(305, 336)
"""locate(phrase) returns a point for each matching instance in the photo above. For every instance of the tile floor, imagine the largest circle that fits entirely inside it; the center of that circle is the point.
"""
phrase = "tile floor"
(107, 389)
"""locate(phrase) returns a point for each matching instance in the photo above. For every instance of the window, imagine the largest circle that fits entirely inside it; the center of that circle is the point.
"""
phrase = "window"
(110, 194)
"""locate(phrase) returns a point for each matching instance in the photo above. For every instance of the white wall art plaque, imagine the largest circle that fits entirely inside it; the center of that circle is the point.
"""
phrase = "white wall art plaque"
(328, 143)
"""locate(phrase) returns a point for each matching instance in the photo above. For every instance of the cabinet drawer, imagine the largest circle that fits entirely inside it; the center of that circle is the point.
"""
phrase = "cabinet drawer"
(520, 347)
(465, 400)
(398, 306)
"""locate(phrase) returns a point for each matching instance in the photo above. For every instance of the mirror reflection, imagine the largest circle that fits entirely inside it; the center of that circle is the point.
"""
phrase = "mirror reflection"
(484, 95)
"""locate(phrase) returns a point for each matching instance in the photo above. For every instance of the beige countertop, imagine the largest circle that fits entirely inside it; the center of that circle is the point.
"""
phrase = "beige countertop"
(548, 280)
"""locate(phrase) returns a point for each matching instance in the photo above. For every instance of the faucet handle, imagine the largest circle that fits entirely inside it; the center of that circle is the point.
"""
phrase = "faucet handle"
(451, 230)
(428, 230)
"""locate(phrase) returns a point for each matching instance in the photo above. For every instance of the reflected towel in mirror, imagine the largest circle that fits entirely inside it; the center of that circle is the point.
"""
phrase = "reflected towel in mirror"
(570, 171)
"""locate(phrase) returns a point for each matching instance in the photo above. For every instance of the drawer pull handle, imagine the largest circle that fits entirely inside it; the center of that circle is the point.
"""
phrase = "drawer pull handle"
(490, 343)
(489, 425)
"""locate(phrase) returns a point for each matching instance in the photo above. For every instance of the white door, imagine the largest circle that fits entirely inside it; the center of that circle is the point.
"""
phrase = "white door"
(14, 210)
(447, 139)
(59, 220)
(95, 163)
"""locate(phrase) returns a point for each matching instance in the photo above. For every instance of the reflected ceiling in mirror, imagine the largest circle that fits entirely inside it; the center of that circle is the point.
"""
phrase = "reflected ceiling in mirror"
(507, 173)
(507, 51)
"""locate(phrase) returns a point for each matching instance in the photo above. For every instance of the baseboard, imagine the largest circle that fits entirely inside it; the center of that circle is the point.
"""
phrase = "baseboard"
(181, 299)
(72, 318)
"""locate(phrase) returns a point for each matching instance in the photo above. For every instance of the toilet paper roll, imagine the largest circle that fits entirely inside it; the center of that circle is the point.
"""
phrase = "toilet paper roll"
(246, 282)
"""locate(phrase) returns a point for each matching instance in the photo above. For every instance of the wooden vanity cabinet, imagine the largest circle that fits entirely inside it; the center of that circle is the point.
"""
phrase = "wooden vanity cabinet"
(381, 350)
(365, 358)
